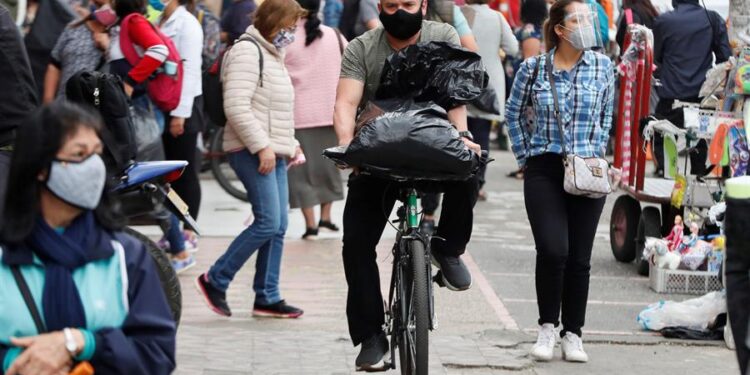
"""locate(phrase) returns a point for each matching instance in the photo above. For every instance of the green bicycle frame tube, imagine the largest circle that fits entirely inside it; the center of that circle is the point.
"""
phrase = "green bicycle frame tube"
(412, 211)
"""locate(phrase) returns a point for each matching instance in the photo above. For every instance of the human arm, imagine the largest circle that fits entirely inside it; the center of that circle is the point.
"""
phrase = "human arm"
(350, 91)
(722, 50)
(51, 82)
(464, 30)
(514, 110)
(143, 34)
(145, 343)
(190, 46)
(369, 14)
(658, 42)
(508, 41)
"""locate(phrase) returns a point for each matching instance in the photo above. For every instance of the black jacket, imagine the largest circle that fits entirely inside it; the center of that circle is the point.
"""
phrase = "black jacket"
(18, 93)
(685, 42)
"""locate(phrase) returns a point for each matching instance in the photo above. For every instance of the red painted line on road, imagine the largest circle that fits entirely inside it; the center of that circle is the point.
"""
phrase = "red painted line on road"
(489, 294)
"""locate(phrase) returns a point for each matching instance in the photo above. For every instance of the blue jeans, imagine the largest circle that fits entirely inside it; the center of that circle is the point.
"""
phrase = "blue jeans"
(174, 236)
(269, 197)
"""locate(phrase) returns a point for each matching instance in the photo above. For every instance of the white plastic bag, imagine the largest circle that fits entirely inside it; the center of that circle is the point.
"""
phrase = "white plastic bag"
(695, 313)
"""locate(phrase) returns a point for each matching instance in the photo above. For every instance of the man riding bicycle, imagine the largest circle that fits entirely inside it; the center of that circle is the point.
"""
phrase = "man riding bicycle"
(369, 197)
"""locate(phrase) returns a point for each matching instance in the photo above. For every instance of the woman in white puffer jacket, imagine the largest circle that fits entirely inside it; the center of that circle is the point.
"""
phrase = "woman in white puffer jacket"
(259, 140)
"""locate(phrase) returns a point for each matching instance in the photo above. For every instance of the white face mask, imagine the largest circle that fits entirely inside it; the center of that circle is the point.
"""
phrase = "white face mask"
(80, 184)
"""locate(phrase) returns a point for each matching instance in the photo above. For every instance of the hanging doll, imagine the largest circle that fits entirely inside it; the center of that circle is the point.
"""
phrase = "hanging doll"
(675, 236)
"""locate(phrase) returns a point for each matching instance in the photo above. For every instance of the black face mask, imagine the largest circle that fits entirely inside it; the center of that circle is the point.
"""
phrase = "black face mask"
(402, 25)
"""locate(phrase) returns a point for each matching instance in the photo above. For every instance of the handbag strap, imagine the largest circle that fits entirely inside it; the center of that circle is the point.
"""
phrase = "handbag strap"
(23, 287)
(558, 115)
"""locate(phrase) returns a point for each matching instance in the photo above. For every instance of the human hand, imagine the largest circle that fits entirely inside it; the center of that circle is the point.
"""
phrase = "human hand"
(472, 146)
(177, 126)
(101, 41)
(44, 354)
(267, 161)
(128, 89)
(298, 159)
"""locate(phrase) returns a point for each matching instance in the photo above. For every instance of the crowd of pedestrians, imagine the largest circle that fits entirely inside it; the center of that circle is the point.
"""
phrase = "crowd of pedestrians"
(294, 76)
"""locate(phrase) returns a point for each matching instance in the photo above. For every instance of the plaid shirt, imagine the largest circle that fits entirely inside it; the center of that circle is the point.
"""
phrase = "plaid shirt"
(586, 95)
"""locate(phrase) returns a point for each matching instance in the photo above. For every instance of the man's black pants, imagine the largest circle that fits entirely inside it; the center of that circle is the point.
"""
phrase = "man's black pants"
(369, 202)
(738, 276)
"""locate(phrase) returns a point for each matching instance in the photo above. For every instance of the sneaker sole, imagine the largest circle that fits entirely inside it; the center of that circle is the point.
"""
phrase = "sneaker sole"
(189, 266)
(449, 285)
(329, 230)
(573, 360)
(310, 238)
(275, 315)
(541, 359)
(378, 367)
(206, 300)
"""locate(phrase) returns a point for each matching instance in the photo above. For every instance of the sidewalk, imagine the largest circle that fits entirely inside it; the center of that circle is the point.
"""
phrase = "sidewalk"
(476, 333)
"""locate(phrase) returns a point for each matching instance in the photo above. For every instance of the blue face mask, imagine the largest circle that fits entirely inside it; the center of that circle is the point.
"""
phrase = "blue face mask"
(156, 4)
(283, 38)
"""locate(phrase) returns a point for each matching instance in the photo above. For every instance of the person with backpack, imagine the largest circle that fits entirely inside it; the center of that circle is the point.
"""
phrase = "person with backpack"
(314, 63)
(493, 34)
(80, 47)
(686, 40)
(141, 34)
(185, 122)
(259, 141)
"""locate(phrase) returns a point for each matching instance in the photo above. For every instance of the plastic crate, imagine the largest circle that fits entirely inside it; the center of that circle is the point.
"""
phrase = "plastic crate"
(683, 282)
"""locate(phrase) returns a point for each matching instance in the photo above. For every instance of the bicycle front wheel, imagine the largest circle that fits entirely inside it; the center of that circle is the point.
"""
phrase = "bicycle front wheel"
(414, 346)
(222, 171)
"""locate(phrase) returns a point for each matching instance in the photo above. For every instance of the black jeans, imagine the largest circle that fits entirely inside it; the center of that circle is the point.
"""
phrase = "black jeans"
(365, 218)
(738, 276)
(480, 129)
(564, 227)
(185, 147)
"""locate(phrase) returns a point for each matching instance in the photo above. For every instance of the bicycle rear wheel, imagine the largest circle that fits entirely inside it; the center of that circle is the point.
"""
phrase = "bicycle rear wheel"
(414, 347)
(221, 169)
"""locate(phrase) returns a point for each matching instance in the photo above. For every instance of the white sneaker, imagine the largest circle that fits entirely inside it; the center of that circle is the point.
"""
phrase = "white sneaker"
(572, 349)
(544, 349)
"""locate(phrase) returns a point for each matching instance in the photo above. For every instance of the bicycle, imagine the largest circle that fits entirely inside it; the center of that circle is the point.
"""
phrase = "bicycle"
(410, 314)
(215, 160)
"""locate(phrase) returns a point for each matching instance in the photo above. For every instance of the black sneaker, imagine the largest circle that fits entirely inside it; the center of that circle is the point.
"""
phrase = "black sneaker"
(328, 226)
(371, 354)
(214, 298)
(278, 310)
(310, 234)
(455, 274)
(427, 227)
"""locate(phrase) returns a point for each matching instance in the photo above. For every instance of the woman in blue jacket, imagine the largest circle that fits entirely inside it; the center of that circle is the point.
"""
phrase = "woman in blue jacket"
(95, 291)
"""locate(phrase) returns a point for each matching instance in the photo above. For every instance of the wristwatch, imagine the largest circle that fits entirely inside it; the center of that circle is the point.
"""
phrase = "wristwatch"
(70, 342)
(466, 134)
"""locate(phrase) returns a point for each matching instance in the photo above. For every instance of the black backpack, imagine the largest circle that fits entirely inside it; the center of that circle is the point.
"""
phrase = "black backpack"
(105, 93)
(349, 18)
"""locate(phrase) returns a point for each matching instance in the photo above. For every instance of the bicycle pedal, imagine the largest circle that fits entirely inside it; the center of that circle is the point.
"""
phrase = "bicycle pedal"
(438, 279)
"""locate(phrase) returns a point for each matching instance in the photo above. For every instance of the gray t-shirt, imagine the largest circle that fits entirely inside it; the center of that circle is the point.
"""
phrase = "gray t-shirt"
(365, 56)
(75, 51)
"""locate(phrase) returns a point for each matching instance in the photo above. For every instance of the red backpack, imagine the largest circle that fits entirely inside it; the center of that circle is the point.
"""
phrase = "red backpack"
(163, 89)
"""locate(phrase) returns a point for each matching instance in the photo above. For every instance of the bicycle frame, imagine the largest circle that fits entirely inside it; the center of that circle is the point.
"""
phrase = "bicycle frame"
(409, 229)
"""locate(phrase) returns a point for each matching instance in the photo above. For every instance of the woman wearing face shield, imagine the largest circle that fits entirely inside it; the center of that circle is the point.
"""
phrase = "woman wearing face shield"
(563, 225)
(75, 288)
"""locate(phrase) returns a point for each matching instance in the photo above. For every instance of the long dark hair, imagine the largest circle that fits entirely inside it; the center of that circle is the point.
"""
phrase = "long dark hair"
(534, 12)
(125, 7)
(556, 17)
(312, 25)
(37, 143)
(641, 6)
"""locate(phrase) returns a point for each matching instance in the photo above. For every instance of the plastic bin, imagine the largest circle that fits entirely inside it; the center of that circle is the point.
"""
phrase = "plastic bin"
(683, 282)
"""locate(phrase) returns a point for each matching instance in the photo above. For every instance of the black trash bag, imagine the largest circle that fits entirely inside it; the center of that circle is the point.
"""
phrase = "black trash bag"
(434, 71)
(407, 140)
(488, 101)
(714, 331)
